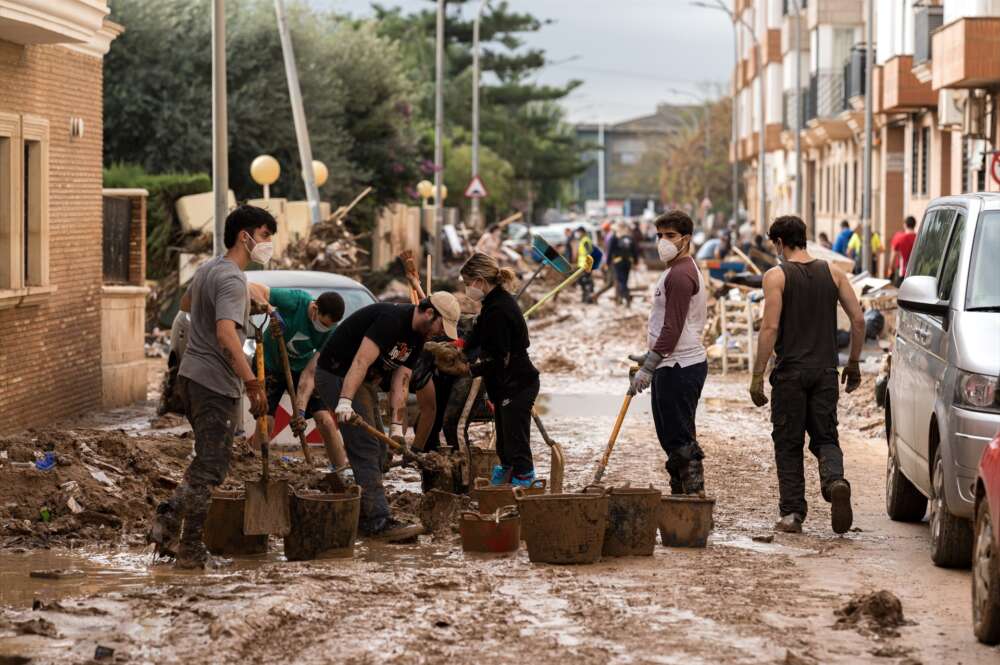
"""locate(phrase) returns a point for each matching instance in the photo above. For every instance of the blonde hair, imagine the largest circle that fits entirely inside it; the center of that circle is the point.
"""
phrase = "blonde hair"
(485, 267)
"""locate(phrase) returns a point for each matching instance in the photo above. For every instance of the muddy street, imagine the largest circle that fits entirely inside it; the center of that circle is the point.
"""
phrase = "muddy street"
(751, 596)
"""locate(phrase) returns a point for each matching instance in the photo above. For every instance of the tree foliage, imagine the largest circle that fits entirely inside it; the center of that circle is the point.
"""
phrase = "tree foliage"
(357, 96)
(685, 172)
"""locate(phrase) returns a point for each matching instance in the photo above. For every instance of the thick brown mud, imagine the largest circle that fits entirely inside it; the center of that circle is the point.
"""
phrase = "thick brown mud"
(745, 598)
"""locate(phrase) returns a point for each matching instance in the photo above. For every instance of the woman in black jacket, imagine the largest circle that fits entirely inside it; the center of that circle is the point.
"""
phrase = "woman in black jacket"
(499, 343)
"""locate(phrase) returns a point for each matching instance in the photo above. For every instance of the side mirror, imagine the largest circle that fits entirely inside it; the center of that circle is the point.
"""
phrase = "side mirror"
(919, 294)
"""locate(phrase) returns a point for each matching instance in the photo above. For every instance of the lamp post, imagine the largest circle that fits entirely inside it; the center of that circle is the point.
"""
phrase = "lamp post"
(866, 200)
(220, 137)
(265, 170)
(797, 46)
(474, 213)
(438, 135)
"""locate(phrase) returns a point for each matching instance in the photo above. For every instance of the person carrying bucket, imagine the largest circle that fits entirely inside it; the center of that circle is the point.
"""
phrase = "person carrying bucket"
(499, 340)
(676, 364)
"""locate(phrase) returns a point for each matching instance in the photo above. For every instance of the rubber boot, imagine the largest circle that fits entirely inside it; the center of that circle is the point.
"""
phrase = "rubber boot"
(501, 475)
(192, 553)
(841, 514)
(164, 531)
(676, 484)
(693, 478)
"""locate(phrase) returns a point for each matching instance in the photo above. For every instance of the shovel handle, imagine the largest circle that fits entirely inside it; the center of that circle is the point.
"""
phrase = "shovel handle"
(599, 473)
(279, 341)
(566, 282)
(262, 434)
(389, 442)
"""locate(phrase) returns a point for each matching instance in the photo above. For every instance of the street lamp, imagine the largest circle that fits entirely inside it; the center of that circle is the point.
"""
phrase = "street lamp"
(320, 173)
(265, 170)
(761, 196)
(220, 135)
(474, 213)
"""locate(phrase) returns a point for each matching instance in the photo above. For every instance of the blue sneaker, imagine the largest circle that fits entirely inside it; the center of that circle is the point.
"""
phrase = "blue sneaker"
(523, 479)
(500, 475)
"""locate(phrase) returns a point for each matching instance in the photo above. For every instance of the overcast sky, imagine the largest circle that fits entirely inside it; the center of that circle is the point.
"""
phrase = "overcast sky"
(629, 53)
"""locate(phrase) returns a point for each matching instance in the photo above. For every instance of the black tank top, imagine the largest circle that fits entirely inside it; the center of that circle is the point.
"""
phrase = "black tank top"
(807, 332)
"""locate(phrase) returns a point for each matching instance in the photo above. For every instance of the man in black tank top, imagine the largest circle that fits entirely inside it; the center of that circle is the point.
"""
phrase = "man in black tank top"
(800, 326)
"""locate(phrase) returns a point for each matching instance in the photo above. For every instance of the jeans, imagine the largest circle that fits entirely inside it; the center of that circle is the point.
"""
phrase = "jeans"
(804, 400)
(622, 270)
(364, 452)
(513, 423)
(213, 418)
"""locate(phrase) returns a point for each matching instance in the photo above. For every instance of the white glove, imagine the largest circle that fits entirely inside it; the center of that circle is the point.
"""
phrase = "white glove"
(347, 475)
(345, 412)
(644, 377)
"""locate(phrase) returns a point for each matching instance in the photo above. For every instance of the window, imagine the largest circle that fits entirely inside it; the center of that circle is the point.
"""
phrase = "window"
(983, 291)
(934, 231)
(925, 158)
(24, 204)
(914, 159)
(950, 268)
(843, 189)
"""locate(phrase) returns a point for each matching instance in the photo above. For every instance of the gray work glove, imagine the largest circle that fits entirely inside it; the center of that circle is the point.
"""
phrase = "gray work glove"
(644, 377)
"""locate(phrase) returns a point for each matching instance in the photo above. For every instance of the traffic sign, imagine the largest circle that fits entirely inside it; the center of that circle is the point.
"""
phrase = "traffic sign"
(995, 167)
(476, 189)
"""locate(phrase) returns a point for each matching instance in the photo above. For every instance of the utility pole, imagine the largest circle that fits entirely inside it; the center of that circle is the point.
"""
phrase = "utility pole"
(601, 190)
(438, 136)
(797, 47)
(734, 111)
(475, 109)
(298, 112)
(220, 134)
(866, 201)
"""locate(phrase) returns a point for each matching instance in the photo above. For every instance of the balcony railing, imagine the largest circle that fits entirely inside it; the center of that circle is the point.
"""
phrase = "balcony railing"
(812, 97)
(925, 21)
(829, 86)
(855, 74)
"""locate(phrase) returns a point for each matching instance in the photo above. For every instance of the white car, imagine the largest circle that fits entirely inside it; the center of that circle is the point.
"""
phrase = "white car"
(355, 296)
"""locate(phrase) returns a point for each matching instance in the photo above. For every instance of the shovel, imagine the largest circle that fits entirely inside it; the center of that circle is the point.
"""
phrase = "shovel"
(267, 508)
(279, 340)
(599, 473)
(589, 264)
(408, 454)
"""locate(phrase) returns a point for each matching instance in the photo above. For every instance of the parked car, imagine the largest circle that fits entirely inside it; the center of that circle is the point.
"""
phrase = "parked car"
(942, 406)
(355, 297)
(986, 551)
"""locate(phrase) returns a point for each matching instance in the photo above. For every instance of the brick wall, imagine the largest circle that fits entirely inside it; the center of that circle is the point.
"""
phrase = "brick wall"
(50, 353)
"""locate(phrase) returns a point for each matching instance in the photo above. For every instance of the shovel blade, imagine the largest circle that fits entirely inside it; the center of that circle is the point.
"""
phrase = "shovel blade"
(267, 508)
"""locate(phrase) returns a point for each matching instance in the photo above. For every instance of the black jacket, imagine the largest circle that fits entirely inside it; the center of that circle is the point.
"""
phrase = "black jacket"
(500, 338)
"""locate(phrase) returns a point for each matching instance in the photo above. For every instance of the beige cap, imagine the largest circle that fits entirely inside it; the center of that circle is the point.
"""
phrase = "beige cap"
(447, 306)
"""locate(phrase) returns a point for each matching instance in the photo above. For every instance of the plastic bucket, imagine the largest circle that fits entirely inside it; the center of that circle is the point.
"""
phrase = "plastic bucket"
(685, 521)
(321, 523)
(491, 498)
(223, 534)
(482, 461)
(563, 528)
(499, 532)
(633, 517)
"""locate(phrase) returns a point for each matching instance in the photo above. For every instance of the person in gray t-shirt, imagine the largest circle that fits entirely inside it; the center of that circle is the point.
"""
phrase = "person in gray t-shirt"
(213, 375)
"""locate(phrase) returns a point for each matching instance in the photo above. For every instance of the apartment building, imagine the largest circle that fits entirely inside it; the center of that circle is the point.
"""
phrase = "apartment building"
(60, 320)
(936, 119)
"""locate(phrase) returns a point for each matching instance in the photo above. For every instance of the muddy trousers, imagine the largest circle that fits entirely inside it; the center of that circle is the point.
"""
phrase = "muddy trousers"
(675, 394)
(804, 401)
(621, 272)
(364, 452)
(513, 423)
(213, 419)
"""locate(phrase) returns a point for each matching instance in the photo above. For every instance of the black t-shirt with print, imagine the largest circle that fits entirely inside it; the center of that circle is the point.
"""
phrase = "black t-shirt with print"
(389, 326)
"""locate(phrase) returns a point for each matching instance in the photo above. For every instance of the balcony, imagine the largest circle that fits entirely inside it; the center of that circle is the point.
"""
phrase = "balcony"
(901, 90)
(811, 98)
(855, 75)
(788, 107)
(829, 93)
(772, 48)
(51, 21)
(967, 53)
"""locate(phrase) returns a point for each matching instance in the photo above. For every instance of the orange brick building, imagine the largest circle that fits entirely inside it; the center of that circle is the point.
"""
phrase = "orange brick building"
(51, 135)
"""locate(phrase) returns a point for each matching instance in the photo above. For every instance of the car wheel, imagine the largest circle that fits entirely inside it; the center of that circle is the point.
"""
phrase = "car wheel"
(985, 579)
(951, 537)
(903, 501)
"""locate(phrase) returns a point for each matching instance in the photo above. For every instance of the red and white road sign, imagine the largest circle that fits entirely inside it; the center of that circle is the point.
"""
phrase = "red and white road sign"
(995, 167)
(476, 189)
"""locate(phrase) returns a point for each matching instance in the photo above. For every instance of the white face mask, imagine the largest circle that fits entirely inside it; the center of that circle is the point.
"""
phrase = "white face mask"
(261, 252)
(475, 293)
(320, 326)
(667, 250)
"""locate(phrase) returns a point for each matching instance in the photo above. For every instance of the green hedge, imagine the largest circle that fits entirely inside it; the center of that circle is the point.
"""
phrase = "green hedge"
(163, 229)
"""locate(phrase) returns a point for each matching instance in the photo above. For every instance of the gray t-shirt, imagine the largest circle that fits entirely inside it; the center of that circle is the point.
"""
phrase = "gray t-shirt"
(218, 292)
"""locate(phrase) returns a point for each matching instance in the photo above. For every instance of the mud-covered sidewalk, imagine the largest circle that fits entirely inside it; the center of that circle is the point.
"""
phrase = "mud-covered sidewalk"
(743, 599)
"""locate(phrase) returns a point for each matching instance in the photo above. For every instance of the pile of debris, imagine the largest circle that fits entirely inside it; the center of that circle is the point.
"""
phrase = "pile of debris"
(330, 247)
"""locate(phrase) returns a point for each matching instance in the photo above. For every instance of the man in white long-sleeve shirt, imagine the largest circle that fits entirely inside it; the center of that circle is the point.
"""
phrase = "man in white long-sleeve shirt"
(675, 364)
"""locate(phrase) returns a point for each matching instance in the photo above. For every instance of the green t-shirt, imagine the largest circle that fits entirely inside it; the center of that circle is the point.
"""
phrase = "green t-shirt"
(301, 338)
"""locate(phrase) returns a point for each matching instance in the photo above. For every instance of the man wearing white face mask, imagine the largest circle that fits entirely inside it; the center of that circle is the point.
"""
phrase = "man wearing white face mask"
(675, 364)
(306, 324)
(214, 373)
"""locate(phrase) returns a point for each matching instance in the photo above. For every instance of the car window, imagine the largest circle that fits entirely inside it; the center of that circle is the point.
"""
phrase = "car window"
(983, 292)
(354, 299)
(926, 259)
(947, 280)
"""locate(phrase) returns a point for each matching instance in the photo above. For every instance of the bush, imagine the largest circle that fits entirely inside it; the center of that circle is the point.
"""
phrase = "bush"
(163, 229)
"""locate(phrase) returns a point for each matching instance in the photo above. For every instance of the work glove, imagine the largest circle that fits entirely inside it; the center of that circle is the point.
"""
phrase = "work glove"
(644, 377)
(757, 389)
(396, 434)
(277, 320)
(345, 412)
(346, 475)
(298, 423)
(257, 398)
(851, 376)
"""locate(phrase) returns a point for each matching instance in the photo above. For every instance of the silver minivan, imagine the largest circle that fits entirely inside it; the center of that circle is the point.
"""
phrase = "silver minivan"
(943, 406)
